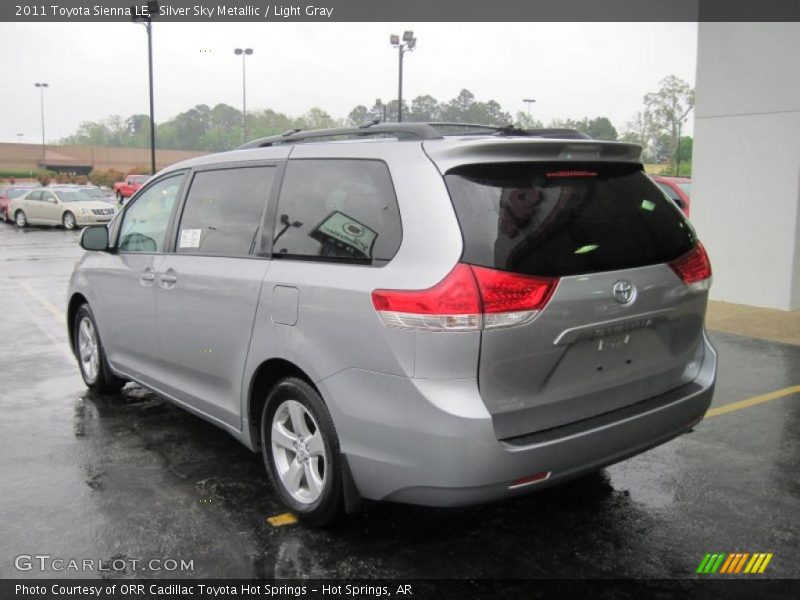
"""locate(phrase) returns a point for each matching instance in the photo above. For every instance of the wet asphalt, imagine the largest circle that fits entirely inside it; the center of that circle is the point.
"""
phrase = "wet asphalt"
(130, 476)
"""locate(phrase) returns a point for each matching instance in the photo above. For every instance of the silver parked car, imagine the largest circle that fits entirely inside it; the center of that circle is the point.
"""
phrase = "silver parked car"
(59, 205)
(416, 313)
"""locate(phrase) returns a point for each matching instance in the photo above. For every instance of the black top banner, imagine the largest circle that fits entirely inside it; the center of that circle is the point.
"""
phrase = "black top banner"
(403, 10)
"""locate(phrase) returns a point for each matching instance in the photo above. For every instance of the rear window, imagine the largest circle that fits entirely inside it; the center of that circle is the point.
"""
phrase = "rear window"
(17, 192)
(557, 220)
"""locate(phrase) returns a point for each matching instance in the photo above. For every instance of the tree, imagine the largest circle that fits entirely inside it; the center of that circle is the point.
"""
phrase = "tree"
(670, 106)
(525, 121)
(425, 109)
(640, 130)
(465, 109)
(359, 115)
(316, 118)
(600, 128)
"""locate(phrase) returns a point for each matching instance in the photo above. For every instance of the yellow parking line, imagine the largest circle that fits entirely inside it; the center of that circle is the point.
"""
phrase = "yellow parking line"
(46, 304)
(721, 410)
(284, 519)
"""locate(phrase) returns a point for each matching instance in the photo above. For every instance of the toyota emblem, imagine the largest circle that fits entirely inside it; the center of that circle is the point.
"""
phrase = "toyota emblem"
(624, 291)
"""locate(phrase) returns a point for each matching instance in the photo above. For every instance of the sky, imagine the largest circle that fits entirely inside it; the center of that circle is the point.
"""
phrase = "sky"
(95, 70)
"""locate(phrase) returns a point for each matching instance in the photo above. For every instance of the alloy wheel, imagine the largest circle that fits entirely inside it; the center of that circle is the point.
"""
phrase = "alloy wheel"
(298, 452)
(88, 349)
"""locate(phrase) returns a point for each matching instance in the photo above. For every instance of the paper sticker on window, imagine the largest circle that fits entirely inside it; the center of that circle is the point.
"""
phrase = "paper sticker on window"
(190, 238)
(341, 235)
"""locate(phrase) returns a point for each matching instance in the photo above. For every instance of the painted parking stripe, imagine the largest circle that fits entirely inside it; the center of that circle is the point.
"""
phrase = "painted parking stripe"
(281, 520)
(756, 400)
(46, 304)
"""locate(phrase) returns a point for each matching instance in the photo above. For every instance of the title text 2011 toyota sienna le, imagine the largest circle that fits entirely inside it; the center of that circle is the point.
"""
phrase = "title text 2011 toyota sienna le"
(416, 313)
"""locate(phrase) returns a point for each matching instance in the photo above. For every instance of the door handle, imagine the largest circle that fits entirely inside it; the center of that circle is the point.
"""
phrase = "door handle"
(147, 278)
(167, 280)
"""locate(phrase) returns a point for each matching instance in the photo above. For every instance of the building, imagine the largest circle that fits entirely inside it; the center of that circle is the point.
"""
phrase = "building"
(746, 161)
(83, 159)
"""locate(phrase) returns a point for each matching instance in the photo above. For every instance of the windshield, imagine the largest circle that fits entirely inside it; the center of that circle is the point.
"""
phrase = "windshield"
(93, 192)
(72, 196)
(138, 178)
(686, 187)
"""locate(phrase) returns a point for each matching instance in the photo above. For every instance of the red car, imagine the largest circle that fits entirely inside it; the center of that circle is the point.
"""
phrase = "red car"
(8, 193)
(126, 189)
(679, 189)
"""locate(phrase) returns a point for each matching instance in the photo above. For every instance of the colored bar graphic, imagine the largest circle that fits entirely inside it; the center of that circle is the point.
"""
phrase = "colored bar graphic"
(734, 563)
(765, 563)
(727, 564)
(740, 564)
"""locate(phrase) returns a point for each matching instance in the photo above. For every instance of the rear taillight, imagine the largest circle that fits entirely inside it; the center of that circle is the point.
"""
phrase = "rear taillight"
(694, 268)
(468, 299)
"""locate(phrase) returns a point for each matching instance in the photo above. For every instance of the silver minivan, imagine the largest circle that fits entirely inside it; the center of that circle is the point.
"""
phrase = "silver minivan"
(417, 313)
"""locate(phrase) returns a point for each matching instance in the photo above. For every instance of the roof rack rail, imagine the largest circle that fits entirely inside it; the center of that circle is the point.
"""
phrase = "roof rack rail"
(406, 131)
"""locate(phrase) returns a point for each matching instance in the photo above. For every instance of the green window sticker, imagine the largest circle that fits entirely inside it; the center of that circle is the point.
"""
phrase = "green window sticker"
(345, 232)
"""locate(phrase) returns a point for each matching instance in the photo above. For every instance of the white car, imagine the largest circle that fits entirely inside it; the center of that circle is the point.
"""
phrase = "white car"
(65, 206)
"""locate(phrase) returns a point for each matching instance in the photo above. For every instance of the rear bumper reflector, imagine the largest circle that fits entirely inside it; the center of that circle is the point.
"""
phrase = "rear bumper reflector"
(531, 479)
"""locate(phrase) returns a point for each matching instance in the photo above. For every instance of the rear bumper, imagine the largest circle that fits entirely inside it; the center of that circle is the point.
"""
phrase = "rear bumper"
(432, 442)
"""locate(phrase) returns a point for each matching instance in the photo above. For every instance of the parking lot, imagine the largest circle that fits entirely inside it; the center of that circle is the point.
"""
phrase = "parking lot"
(131, 476)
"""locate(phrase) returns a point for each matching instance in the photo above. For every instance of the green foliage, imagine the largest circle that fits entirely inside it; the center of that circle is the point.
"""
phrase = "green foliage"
(465, 109)
(658, 125)
(106, 178)
(425, 109)
(525, 121)
(45, 177)
(139, 170)
(599, 128)
(11, 173)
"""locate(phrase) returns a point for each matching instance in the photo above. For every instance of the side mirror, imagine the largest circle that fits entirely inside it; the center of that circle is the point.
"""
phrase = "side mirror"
(95, 238)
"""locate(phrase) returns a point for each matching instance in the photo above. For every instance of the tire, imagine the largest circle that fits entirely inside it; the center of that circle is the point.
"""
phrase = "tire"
(91, 356)
(292, 407)
(21, 219)
(68, 221)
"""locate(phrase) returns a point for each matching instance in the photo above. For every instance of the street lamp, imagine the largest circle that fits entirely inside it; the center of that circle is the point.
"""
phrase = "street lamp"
(407, 44)
(529, 101)
(147, 21)
(19, 137)
(244, 52)
(41, 87)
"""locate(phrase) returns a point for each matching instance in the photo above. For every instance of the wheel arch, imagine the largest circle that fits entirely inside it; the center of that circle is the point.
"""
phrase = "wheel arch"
(75, 303)
(267, 375)
(264, 378)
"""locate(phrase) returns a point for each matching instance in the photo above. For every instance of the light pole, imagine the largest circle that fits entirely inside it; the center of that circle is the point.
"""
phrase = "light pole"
(529, 101)
(407, 44)
(244, 52)
(41, 87)
(147, 21)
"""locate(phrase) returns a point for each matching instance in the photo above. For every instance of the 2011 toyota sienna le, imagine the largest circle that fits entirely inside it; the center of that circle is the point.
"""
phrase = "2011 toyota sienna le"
(418, 313)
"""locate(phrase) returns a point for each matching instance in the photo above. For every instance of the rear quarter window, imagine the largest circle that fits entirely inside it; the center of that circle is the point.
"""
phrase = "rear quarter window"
(337, 210)
(557, 220)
